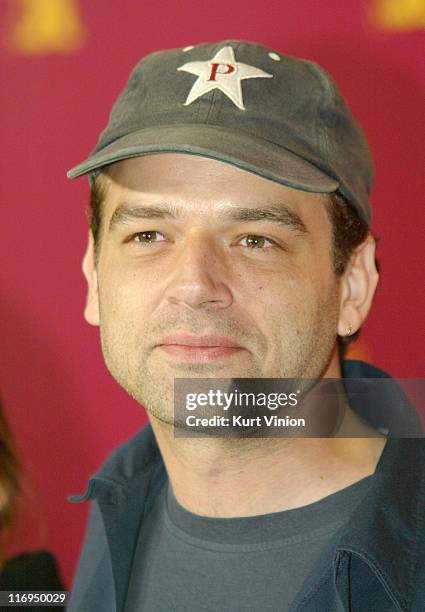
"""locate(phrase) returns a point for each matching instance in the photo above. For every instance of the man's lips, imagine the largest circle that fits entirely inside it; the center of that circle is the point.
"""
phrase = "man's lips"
(188, 347)
(185, 339)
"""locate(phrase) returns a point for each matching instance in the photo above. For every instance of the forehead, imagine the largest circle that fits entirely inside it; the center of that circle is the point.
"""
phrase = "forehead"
(200, 185)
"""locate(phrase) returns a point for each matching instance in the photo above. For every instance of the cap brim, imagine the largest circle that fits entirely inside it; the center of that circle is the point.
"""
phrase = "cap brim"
(240, 149)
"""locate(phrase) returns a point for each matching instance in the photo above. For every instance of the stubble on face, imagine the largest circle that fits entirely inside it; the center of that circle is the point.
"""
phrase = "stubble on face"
(288, 330)
(303, 339)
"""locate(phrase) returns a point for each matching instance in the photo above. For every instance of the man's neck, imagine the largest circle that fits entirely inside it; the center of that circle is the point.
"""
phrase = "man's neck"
(227, 477)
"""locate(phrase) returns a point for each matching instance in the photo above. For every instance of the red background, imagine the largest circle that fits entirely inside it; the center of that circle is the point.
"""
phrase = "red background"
(66, 411)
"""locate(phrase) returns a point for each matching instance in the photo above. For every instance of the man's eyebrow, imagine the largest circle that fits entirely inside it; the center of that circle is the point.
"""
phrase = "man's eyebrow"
(279, 214)
(126, 212)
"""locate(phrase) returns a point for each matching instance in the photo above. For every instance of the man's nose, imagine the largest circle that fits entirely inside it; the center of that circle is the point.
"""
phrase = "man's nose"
(199, 278)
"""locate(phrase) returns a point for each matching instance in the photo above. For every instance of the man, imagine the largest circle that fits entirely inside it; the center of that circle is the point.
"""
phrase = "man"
(230, 238)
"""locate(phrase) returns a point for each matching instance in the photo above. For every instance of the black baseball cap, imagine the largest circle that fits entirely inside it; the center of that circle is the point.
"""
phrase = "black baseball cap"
(240, 102)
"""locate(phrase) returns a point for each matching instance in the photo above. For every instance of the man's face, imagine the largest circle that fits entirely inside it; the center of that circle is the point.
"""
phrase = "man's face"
(194, 246)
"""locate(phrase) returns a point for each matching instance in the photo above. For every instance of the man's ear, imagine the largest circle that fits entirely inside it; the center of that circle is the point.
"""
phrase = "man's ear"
(91, 310)
(358, 284)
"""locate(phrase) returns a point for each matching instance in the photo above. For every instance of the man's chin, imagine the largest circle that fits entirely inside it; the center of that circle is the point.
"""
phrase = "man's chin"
(233, 364)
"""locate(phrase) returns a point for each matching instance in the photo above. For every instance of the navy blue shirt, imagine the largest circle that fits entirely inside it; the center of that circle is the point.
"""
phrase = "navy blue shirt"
(253, 563)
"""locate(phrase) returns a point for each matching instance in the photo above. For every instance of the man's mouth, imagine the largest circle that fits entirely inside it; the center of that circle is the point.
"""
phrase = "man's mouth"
(203, 348)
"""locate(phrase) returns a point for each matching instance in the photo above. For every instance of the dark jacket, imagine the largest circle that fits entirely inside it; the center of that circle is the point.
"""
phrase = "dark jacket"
(378, 557)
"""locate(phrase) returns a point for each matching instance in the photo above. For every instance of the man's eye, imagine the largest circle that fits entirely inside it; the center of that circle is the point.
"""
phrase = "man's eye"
(252, 241)
(148, 237)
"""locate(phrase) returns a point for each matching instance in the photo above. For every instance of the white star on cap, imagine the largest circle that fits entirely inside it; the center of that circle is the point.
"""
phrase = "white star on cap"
(221, 72)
